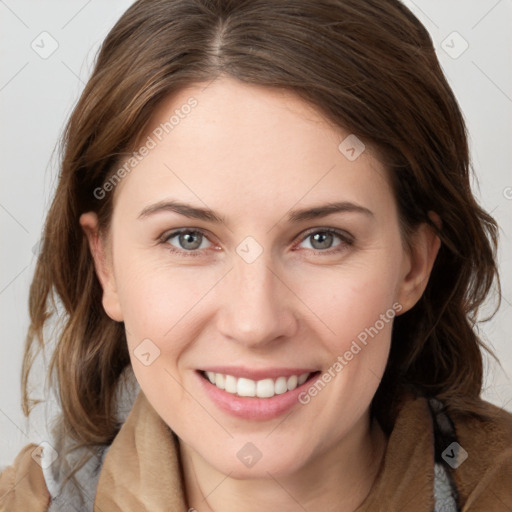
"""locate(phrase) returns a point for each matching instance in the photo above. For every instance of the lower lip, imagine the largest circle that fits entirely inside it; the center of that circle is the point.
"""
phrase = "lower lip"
(253, 408)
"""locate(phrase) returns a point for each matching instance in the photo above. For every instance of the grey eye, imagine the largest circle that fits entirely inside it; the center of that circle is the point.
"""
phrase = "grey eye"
(187, 240)
(322, 240)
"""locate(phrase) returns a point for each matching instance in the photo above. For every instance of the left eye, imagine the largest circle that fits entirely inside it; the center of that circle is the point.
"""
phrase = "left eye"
(187, 240)
(321, 240)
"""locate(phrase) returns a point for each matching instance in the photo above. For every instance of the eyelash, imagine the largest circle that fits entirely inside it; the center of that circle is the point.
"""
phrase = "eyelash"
(346, 240)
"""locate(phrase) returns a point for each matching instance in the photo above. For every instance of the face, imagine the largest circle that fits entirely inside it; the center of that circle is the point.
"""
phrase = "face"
(248, 249)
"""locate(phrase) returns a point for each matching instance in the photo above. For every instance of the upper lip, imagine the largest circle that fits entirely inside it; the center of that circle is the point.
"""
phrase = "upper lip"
(257, 373)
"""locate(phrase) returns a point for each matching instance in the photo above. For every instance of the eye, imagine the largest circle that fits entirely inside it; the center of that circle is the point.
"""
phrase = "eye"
(325, 239)
(188, 240)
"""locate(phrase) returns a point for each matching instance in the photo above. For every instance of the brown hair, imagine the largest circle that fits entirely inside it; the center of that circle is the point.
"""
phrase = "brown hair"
(370, 67)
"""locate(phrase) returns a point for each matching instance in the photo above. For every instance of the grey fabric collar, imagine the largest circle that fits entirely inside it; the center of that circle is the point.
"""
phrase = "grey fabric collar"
(78, 494)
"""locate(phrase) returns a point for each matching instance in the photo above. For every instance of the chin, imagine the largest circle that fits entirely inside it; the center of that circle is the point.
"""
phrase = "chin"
(269, 459)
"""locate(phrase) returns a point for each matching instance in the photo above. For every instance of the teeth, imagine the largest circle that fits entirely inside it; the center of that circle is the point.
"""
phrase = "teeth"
(230, 384)
(245, 387)
(280, 386)
(303, 378)
(292, 382)
(265, 388)
(219, 380)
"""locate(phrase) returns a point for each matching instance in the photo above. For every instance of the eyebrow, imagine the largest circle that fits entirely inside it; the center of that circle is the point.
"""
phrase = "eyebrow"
(327, 209)
(208, 215)
(187, 210)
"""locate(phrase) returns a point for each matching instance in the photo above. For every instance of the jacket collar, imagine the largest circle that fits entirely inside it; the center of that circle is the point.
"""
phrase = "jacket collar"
(142, 469)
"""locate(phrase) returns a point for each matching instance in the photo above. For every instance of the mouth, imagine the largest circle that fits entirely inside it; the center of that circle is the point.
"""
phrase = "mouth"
(265, 388)
(255, 395)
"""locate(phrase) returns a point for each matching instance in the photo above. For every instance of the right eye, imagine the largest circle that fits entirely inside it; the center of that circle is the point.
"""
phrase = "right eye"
(186, 241)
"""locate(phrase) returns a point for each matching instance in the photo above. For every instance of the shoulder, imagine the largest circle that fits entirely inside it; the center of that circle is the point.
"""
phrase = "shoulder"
(484, 474)
(22, 485)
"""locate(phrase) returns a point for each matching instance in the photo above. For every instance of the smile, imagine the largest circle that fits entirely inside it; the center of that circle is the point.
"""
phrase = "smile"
(254, 394)
(265, 388)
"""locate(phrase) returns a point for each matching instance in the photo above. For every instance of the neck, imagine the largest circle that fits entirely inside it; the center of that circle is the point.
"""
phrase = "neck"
(338, 479)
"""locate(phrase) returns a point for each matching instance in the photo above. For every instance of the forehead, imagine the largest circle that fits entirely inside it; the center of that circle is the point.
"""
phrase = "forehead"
(248, 147)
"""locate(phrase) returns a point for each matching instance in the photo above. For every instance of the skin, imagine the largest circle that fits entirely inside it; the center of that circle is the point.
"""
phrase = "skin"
(252, 154)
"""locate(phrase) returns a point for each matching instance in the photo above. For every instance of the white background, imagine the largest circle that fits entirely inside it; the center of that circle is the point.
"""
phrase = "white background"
(37, 95)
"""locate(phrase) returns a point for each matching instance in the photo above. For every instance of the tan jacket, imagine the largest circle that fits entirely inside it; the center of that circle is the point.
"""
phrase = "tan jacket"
(141, 471)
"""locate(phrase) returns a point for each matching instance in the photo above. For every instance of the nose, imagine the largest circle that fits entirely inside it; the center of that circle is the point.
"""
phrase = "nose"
(257, 307)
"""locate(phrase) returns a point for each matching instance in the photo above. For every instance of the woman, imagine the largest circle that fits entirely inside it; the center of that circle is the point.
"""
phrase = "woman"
(264, 221)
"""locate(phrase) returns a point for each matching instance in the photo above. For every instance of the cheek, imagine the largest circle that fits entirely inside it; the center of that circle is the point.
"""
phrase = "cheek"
(358, 316)
(357, 308)
(163, 303)
(351, 299)
(161, 308)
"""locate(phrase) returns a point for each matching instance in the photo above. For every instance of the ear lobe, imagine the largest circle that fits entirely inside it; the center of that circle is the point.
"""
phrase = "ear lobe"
(103, 265)
(425, 246)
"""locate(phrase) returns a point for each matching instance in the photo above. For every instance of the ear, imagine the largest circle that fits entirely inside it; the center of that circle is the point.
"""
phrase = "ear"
(103, 265)
(418, 263)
